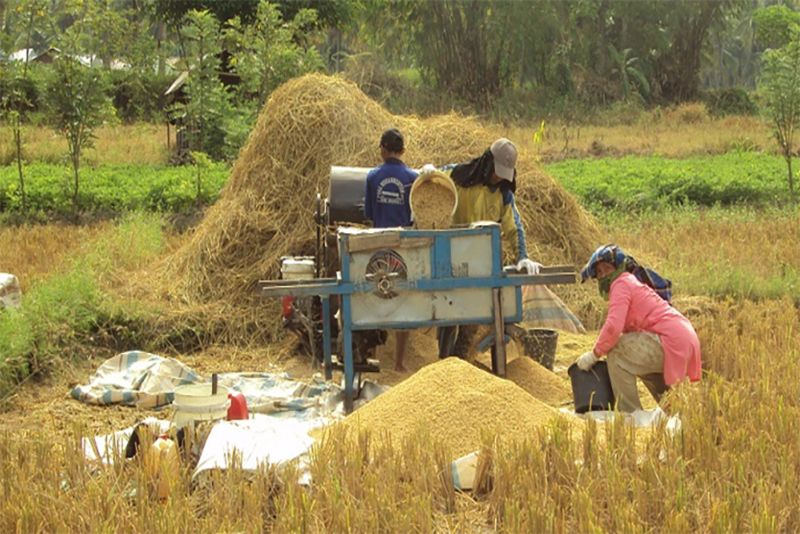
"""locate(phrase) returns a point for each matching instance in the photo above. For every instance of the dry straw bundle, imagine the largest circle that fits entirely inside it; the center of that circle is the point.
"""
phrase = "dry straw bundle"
(266, 209)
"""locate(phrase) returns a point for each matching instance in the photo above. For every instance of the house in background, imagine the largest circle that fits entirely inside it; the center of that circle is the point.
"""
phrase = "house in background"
(45, 57)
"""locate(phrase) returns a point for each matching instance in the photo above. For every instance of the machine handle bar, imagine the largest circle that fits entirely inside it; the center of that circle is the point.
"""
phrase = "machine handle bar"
(334, 286)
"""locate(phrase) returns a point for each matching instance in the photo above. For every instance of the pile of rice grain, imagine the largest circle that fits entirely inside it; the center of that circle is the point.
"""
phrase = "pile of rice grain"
(433, 206)
(538, 381)
(455, 403)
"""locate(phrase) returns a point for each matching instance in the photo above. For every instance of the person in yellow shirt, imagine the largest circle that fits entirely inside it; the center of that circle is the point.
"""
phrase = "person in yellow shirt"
(486, 187)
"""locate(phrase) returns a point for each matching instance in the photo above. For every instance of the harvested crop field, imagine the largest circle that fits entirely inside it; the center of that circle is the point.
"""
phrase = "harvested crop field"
(32, 252)
(732, 464)
(456, 404)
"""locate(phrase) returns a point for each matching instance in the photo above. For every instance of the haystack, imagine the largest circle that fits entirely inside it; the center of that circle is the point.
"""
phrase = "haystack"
(266, 209)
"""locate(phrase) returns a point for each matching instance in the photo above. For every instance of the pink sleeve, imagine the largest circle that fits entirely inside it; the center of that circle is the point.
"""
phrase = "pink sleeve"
(618, 304)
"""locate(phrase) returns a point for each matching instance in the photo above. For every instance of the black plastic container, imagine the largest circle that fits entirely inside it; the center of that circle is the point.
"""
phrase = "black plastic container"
(591, 390)
(540, 344)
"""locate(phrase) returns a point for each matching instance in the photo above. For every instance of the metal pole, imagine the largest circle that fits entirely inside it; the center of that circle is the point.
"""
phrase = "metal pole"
(326, 336)
(347, 348)
(499, 352)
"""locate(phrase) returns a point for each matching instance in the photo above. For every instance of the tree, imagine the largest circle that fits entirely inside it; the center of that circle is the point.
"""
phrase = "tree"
(201, 163)
(270, 51)
(108, 30)
(780, 88)
(175, 12)
(208, 103)
(776, 26)
(463, 47)
(14, 105)
(331, 13)
(78, 104)
(674, 34)
(629, 75)
(15, 102)
(730, 59)
(477, 50)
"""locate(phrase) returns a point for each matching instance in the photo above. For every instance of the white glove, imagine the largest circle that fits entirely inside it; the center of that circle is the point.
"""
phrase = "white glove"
(586, 360)
(526, 264)
(428, 167)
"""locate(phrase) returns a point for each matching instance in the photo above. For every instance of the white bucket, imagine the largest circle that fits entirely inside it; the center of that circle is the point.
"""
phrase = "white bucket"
(297, 269)
(196, 403)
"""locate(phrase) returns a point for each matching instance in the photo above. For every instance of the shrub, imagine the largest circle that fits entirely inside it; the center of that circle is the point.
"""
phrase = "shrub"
(621, 114)
(136, 96)
(732, 101)
(78, 105)
(32, 85)
(688, 113)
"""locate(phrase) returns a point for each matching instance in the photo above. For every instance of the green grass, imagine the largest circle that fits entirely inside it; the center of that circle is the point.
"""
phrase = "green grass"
(111, 188)
(646, 182)
(64, 311)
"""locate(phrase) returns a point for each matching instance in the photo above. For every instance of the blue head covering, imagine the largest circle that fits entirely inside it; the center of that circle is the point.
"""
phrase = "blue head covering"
(609, 253)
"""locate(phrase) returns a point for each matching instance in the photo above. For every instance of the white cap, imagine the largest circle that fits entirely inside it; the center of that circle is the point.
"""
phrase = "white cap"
(505, 158)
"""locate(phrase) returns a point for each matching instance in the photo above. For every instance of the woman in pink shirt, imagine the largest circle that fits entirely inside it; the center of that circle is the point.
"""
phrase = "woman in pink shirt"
(643, 335)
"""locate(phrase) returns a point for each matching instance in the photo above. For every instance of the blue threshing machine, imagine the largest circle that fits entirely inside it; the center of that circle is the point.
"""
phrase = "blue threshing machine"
(406, 279)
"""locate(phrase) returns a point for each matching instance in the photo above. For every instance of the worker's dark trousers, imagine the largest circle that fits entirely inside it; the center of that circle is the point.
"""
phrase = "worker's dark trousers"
(456, 340)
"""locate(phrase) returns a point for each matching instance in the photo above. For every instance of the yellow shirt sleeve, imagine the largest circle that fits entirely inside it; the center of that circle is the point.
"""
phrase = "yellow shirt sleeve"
(509, 230)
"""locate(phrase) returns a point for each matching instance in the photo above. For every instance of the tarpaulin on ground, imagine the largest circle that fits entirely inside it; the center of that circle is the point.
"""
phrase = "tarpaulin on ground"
(638, 418)
(277, 437)
(269, 392)
(136, 378)
(109, 447)
(148, 381)
(262, 440)
(544, 309)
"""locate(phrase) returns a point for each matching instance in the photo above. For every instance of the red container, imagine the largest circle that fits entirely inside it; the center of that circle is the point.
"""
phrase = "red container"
(238, 407)
(286, 307)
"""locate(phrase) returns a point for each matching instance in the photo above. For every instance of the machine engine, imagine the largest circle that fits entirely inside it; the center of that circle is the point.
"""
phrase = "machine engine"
(303, 315)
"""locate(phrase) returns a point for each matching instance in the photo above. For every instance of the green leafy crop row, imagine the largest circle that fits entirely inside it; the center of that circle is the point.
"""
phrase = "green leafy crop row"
(112, 188)
(629, 183)
(653, 182)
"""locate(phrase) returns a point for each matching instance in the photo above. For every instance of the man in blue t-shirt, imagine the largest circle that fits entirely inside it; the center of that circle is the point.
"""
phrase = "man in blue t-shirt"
(386, 204)
(389, 185)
